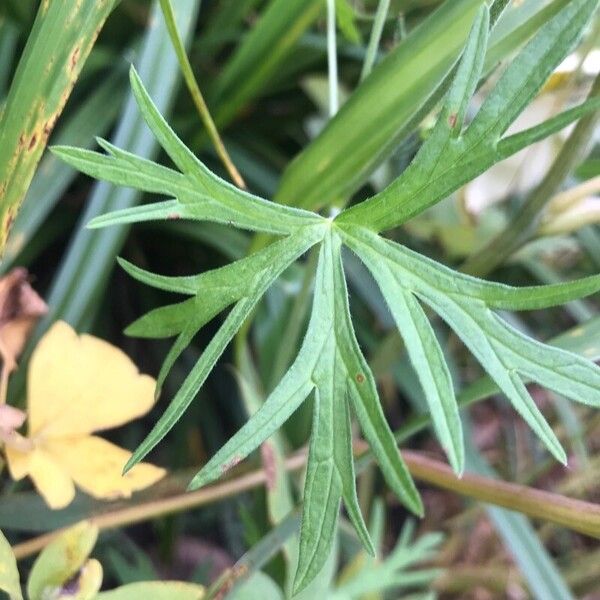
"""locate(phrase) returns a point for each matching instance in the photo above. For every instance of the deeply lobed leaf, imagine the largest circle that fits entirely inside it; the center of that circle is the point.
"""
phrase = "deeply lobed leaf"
(199, 193)
(452, 157)
(330, 366)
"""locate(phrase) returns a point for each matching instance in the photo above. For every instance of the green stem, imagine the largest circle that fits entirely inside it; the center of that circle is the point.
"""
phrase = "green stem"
(524, 223)
(380, 16)
(192, 84)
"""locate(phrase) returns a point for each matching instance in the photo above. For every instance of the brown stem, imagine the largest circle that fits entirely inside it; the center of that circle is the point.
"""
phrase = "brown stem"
(577, 515)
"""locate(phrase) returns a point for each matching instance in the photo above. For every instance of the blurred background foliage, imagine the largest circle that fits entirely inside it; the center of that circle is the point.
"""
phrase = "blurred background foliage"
(262, 66)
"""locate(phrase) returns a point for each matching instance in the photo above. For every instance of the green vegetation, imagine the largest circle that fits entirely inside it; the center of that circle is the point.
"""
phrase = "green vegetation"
(324, 277)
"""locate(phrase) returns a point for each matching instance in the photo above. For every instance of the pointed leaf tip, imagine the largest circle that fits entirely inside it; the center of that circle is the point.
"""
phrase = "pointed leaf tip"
(201, 479)
(134, 77)
(130, 464)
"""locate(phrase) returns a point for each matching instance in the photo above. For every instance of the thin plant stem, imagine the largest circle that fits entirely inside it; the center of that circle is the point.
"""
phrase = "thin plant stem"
(577, 515)
(178, 502)
(256, 557)
(332, 59)
(380, 16)
(4, 374)
(524, 224)
(197, 97)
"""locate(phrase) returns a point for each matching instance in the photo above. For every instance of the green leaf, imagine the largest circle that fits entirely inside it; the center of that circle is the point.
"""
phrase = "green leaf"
(468, 153)
(344, 15)
(470, 320)
(330, 471)
(291, 391)
(155, 590)
(513, 143)
(427, 359)
(365, 401)
(57, 48)
(580, 340)
(330, 364)
(194, 380)
(321, 585)
(61, 560)
(323, 485)
(295, 246)
(171, 320)
(184, 339)
(52, 178)
(214, 290)
(9, 575)
(200, 195)
(526, 75)
(564, 372)
(465, 304)
(420, 272)
(179, 285)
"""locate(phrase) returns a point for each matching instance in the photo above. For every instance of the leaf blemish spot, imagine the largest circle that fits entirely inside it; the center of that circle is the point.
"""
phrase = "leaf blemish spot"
(74, 59)
(360, 378)
(230, 464)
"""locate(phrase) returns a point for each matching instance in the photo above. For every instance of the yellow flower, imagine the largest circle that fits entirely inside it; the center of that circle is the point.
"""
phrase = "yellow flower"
(78, 385)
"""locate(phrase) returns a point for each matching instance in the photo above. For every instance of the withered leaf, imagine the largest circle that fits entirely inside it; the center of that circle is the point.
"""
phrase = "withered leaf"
(20, 308)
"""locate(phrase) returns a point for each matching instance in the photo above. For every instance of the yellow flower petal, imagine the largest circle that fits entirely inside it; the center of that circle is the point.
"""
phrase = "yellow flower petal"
(18, 462)
(49, 477)
(77, 385)
(96, 466)
(80, 384)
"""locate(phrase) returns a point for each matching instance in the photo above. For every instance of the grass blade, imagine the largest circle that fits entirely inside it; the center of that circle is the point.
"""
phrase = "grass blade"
(59, 43)
(378, 23)
(428, 180)
(260, 55)
(94, 116)
(198, 98)
(92, 255)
